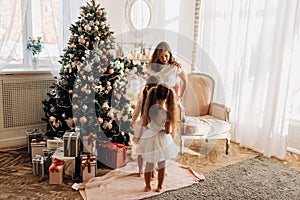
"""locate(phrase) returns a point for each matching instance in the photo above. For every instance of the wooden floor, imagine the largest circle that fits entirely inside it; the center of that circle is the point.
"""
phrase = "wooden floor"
(17, 181)
(203, 159)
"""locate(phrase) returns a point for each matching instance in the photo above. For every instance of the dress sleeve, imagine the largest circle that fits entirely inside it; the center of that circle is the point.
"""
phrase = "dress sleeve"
(178, 67)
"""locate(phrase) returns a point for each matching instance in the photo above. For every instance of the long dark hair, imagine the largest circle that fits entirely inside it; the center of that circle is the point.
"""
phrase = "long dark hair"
(158, 93)
(155, 63)
(152, 81)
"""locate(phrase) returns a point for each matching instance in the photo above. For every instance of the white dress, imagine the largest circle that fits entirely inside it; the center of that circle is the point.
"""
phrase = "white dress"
(167, 74)
(155, 144)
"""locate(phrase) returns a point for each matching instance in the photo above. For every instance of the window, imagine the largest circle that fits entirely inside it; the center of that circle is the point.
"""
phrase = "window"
(21, 19)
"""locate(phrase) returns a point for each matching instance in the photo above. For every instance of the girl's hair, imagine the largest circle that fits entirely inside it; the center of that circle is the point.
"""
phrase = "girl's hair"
(155, 63)
(159, 93)
(151, 82)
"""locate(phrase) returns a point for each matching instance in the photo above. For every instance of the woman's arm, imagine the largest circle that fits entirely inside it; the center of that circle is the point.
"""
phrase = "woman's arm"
(183, 78)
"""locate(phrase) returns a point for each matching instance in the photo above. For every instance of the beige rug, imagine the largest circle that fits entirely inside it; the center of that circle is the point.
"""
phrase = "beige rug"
(124, 184)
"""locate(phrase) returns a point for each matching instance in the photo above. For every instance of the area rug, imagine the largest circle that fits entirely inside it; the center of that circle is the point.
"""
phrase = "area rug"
(257, 178)
(123, 183)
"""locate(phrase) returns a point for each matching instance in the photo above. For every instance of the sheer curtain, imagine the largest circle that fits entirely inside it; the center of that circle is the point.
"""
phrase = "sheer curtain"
(250, 44)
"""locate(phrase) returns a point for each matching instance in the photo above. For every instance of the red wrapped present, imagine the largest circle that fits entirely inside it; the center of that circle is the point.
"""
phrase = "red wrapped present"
(56, 172)
(89, 164)
(112, 155)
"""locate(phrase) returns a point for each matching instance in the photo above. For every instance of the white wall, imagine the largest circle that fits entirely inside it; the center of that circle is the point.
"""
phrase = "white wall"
(172, 20)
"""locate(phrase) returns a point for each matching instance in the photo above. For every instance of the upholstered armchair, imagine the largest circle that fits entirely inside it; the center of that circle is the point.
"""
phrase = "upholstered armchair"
(201, 118)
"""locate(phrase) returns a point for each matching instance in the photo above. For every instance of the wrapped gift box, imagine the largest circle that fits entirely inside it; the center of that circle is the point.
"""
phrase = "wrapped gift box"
(37, 147)
(56, 172)
(55, 143)
(69, 163)
(88, 167)
(39, 166)
(33, 134)
(112, 155)
(89, 143)
(48, 153)
(71, 144)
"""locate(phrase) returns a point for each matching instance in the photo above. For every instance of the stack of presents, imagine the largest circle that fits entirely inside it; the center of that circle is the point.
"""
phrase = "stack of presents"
(72, 157)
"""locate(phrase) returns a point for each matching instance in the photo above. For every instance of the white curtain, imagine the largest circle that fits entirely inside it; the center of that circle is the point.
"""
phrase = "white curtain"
(21, 19)
(250, 44)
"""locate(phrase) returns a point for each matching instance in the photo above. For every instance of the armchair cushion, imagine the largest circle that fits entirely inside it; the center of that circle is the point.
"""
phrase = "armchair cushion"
(207, 126)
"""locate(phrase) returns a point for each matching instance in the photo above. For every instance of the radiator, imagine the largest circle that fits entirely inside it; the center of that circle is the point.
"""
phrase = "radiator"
(21, 107)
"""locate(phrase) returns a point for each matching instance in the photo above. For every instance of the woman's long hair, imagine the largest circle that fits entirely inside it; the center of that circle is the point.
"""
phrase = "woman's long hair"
(155, 63)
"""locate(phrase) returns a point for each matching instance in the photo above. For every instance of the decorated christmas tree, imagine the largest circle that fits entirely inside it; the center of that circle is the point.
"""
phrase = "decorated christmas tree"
(90, 94)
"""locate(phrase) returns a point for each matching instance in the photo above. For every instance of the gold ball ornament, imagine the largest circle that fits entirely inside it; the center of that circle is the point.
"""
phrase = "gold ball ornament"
(83, 120)
(99, 12)
(75, 119)
(100, 120)
(111, 71)
(82, 41)
(87, 27)
(88, 91)
(75, 107)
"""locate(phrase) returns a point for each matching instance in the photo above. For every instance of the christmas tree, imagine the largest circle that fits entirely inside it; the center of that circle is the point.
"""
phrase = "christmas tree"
(90, 93)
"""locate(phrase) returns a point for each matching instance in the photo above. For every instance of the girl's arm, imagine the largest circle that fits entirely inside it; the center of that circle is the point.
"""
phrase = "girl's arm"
(137, 110)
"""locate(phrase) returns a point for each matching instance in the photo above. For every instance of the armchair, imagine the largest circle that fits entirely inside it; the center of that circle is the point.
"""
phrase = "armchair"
(201, 118)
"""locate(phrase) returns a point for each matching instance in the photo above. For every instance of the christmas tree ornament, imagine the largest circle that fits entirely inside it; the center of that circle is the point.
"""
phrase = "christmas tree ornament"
(83, 120)
(105, 106)
(100, 120)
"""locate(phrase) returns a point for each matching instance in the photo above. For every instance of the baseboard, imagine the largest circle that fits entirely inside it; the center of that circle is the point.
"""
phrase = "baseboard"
(16, 137)
(13, 142)
(293, 150)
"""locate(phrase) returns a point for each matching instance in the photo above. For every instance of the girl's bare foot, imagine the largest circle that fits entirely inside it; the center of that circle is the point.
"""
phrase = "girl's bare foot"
(158, 189)
(140, 174)
(147, 189)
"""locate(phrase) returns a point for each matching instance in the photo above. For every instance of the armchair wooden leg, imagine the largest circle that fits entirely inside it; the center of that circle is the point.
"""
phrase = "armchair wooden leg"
(227, 146)
(181, 146)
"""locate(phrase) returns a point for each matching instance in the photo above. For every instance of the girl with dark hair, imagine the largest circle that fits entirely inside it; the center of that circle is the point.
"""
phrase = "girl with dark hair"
(156, 144)
(137, 122)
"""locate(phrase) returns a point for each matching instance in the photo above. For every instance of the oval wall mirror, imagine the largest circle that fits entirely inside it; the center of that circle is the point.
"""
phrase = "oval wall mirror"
(138, 14)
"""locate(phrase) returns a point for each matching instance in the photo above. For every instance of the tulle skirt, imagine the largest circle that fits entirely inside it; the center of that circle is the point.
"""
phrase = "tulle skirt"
(156, 146)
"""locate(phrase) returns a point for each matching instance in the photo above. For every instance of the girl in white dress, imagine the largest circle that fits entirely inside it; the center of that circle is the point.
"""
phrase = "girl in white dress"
(156, 143)
(137, 121)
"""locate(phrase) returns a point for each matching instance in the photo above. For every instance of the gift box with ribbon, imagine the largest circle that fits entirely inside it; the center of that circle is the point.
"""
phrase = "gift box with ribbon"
(71, 144)
(37, 147)
(88, 167)
(54, 143)
(112, 155)
(39, 166)
(56, 172)
(69, 164)
(89, 143)
(33, 134)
